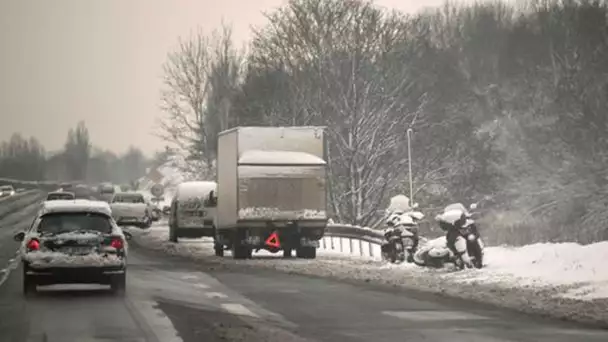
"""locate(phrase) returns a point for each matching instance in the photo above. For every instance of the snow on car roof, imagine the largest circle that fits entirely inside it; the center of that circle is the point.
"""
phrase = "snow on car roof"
(189, 190)
(76, 206)
(128, 194)
(279, 158)
(60, 192)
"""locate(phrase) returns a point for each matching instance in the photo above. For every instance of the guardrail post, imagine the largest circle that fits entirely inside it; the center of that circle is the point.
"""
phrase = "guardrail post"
(361, 247)
(340, 239)
(331, 238)
(371, 250)
(350, 246)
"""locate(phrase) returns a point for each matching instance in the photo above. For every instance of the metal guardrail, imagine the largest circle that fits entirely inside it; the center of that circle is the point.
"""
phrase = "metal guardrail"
(16, 183)
(352, 240)
(354, 232)
(17, 196)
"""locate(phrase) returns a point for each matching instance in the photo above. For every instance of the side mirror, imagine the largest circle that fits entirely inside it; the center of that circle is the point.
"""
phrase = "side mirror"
(127, 235)
(473, 206)
(19, 236)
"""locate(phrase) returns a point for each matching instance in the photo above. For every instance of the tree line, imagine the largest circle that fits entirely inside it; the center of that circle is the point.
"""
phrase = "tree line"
(26, 159)
(507, 104)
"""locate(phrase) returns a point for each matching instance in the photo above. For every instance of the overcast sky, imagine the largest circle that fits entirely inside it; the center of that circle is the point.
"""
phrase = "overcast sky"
(62, 61)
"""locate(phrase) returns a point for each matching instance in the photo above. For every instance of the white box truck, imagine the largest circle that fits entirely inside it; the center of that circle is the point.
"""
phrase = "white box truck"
(271, 190)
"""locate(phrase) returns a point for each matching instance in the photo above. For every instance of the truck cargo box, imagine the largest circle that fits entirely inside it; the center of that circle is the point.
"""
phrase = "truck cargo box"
(271, 174)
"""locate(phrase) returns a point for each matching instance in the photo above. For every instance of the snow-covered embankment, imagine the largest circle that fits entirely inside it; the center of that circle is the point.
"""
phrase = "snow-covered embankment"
(566, 281)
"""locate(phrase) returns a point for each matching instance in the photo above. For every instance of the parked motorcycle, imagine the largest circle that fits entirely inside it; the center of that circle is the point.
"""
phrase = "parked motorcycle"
(436, 253)
(401, 237)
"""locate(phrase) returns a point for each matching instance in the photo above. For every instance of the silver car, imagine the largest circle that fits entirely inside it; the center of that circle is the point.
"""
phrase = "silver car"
(74, 242)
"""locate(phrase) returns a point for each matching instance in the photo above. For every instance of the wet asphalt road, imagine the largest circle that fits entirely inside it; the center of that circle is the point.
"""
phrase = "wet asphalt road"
(174, 300)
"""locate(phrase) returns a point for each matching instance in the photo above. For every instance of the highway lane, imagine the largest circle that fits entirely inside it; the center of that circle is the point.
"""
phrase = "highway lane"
(170, 299)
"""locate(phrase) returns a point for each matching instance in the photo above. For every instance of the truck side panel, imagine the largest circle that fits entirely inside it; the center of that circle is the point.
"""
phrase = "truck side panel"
(227, 180)
(297, 139)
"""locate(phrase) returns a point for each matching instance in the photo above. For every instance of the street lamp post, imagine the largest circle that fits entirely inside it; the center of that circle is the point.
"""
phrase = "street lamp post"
(409, 162)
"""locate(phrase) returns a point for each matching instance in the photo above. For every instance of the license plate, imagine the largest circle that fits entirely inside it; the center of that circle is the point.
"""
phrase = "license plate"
(76, 250)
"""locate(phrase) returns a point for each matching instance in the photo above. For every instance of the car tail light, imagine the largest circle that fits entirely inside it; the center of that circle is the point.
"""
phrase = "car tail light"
(33, 245)
(117, 243)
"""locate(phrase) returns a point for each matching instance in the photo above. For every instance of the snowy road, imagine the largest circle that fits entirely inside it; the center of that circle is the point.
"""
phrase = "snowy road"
(172, 299)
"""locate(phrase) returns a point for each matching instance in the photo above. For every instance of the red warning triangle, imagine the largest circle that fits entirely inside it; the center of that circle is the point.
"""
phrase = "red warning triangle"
(273, 241)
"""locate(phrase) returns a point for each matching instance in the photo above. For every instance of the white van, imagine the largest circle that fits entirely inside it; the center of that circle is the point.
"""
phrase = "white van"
(193, 210)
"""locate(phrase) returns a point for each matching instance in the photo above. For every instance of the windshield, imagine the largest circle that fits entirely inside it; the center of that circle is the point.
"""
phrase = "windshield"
(57, 223)
(128, 199)
(64, 196)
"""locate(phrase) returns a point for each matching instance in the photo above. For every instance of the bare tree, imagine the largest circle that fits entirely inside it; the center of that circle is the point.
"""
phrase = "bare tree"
(77, 152)
(343, 62)
(198, 78)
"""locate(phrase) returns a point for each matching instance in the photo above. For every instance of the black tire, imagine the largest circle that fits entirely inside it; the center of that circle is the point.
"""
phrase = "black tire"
(118, 284)
(476, 254)
(173, 235)
(240, 251)
(147, 222)
(410, 258)
(29, 285)
(219, 250)
(287, 253)
(306, 252)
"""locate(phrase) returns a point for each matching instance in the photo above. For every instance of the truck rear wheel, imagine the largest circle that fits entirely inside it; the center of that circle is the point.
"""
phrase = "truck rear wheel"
(172, 234)
(240, 251)
(218, 249)
(306, 252)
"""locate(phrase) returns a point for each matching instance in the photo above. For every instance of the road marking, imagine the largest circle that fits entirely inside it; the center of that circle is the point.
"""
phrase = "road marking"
(189, 277)
(238, 309)
(6, 272)
(421, 316)
(215, 295)
(155, 319)
(201, 286)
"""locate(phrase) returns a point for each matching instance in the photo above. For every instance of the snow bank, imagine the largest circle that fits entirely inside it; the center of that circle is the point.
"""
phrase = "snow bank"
(277, 214)
(56, 259)
(565, 281)
(580, 268)
(279, 157)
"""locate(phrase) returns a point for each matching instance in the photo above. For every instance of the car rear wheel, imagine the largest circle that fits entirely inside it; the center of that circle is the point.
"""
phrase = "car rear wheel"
(29, 285)
(172, 234)
(219, 249)
(118, 284)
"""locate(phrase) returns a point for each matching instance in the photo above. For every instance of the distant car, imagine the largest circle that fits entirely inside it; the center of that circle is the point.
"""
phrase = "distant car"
(131, 209)
(60, 195)
(6, 190)
(66, 186)
(106, 191)
(74, 242)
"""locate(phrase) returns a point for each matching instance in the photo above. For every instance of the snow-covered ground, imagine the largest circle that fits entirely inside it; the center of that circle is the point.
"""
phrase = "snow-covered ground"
(562, 280)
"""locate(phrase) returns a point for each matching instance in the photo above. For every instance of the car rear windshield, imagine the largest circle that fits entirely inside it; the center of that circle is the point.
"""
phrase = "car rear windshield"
(128, 199)
(66, 196)
(6, 188)
(57, 223)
